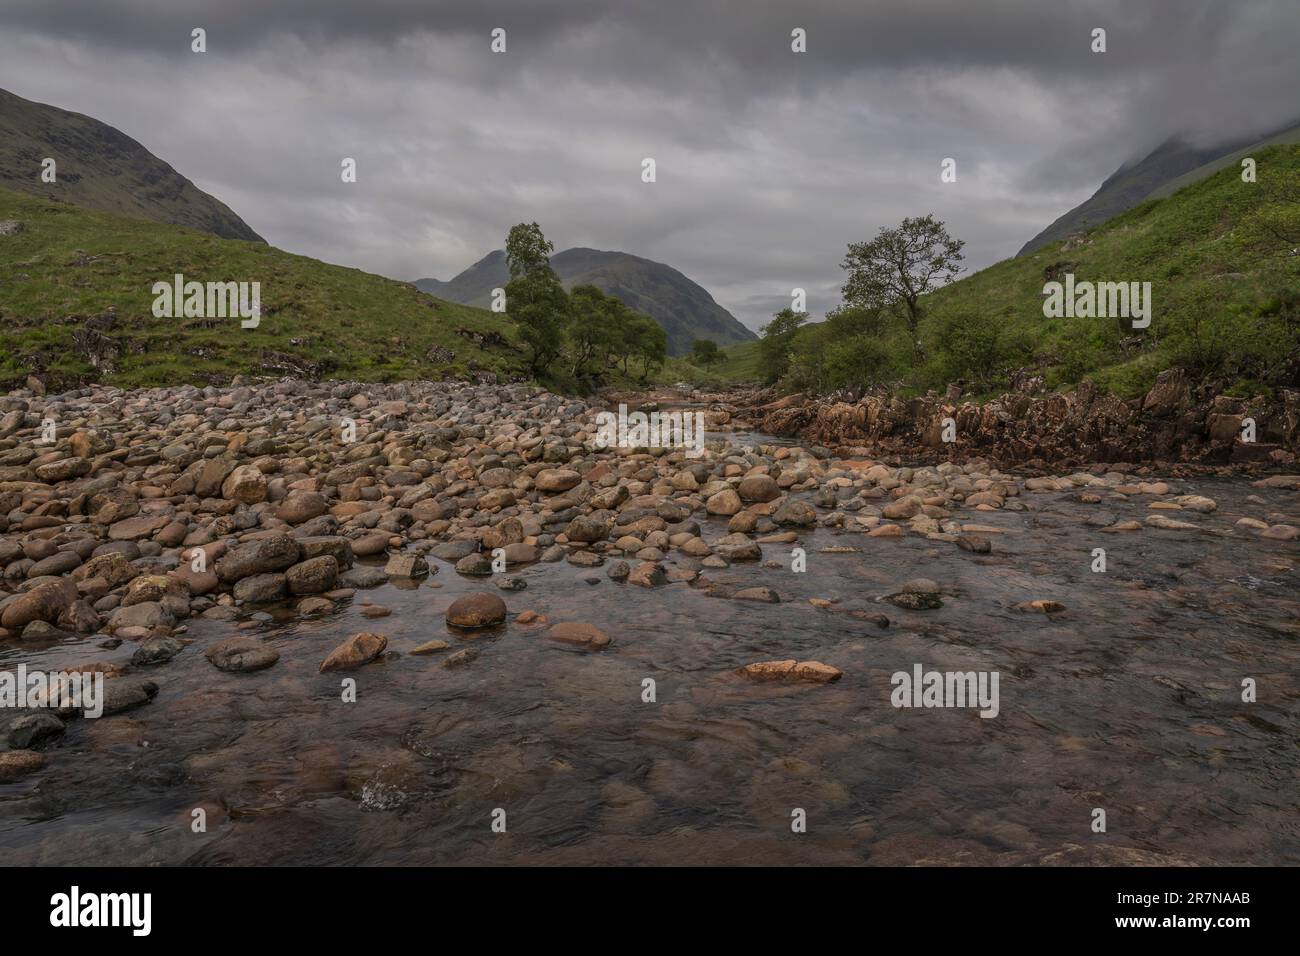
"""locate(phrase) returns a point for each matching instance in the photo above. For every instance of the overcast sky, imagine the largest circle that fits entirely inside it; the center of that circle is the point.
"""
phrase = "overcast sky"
(769, 162)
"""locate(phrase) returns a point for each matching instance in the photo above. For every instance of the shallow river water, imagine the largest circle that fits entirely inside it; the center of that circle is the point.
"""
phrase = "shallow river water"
(1129, 701)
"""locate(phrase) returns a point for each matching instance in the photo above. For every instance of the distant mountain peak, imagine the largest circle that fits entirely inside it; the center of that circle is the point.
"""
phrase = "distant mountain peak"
(100, 167)
(1175, 163)
(683, 307)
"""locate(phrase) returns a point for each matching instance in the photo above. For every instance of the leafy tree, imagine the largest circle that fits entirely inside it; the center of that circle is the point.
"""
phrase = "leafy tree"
(899, 266)
(705, 352)
(970, 346)
(650, 343)
(535, 298)
(776, 340)
(593, 330)
(527, 250)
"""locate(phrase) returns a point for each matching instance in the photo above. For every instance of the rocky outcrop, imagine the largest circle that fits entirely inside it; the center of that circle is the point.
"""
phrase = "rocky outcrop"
(1175, 421)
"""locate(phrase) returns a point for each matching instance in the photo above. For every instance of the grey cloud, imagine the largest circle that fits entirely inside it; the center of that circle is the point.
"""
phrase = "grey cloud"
(769, 163)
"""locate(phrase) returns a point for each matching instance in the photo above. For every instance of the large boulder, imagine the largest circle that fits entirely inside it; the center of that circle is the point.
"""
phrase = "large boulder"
(245, 484)
(356, 650)
(273, 553)
(476, 610)
(44, 602)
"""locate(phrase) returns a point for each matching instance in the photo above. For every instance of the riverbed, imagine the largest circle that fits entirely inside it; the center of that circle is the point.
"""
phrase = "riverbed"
(1127, 701)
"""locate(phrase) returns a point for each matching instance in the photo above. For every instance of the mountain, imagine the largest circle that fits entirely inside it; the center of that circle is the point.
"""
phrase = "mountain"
(99, 167)
(1168, 168)
(76, 305)
(683, 308)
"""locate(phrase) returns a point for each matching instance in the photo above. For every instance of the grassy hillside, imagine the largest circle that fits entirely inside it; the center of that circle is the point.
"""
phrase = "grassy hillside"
(99, 167)
(739, 364)
(1233, 158)
(1226, 292)
(1168, 168)
(1221, 256)
(76, 303)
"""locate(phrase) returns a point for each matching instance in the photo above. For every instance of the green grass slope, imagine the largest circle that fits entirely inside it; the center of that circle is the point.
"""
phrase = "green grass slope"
(76, 306)
(1225, 288)
(1168, 168)
(1234, 158)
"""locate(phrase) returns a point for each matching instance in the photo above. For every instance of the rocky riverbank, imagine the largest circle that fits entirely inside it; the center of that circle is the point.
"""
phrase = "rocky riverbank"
(130, 521)
(1176, 423)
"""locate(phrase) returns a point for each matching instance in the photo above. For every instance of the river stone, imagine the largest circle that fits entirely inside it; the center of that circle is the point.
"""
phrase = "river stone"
(65, 469)
(476, 610)
(121, 694)
(902, 508)
(363, 576)
(974, 543)
(430, 647)
(587, 529)
(245, 484)
(1281, 532)
(797, 513)
(647, 574)
(137, 528)
(460, 658)
(357, 650)
(1041, 605)
(520, 553)
(241, 655)
(738, 547)
(725, 503)
(301, 506)
(156, 650)
(557, 480)
(15, 764)
(315, 546)
(260, 588)
(1169, 524)
(274, 553)
(313, 575)
(112, 566)
(916, 600)
(763, 594)
(44, 602)
(476, 564)
(454, 550)
(370, 544)
(31, 729)
(760, 488)
(158, 588)
(790, 670)
(578, 633)
(54, 565)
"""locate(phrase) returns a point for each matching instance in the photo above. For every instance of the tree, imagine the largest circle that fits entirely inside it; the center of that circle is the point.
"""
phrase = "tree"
(777, 337)
(527, 250)
(899, 266)
(651, 343)
(535, 298)
(593, 327)
(705, 352)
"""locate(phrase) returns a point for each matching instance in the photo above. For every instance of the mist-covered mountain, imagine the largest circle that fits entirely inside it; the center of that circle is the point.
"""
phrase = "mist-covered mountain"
(99, 167)
(683, 308)
(1168, 168)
